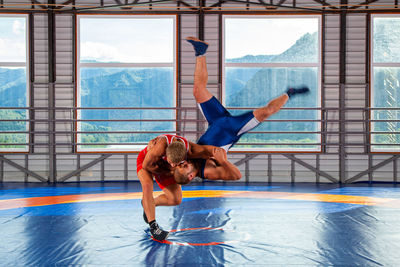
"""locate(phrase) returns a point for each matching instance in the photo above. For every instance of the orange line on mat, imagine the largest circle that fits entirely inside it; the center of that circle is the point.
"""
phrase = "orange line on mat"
(6, 204)
(361, 200)
(52, 200)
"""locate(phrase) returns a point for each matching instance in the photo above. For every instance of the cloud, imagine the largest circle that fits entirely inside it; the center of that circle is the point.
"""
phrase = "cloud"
(100, 52)
(264, 36)
(12, 51)
(126, 52)
(18, 27)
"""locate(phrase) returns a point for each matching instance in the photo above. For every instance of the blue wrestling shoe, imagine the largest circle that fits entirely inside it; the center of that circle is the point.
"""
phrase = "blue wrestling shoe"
(200, 47)
(291, 91)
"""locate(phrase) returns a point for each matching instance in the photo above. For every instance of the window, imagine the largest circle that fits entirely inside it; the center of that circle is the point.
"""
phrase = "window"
(125, 62)
(13, 82)
(385, 92)
(263, 56)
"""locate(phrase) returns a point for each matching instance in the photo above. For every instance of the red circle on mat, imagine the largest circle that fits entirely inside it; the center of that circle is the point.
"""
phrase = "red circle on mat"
(189, 243)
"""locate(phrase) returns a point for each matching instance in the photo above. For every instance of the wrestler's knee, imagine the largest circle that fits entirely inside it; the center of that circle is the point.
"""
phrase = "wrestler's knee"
(145, 180)
(173, 194)
(178, 201)
(175, 200)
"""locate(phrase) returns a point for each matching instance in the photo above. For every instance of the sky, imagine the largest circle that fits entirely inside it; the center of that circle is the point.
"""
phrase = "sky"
(147, 40)
(264, 36)
(127, 40)
(12, 39)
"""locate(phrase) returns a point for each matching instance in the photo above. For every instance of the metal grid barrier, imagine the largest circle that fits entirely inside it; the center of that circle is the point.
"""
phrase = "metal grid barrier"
(328, 147)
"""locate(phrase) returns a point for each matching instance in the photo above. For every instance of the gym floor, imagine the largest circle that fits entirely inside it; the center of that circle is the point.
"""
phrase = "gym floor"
(217, 224)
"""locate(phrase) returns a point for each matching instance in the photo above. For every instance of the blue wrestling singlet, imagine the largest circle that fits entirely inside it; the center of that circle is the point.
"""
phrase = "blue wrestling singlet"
(224, 130)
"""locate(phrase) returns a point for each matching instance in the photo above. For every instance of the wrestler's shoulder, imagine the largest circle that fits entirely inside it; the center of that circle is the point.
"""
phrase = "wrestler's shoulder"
(155, 141)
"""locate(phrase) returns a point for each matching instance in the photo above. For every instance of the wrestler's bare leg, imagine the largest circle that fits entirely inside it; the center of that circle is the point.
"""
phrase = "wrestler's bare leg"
(146, 180)
(271, 108)
(172, 196)
(276, 104)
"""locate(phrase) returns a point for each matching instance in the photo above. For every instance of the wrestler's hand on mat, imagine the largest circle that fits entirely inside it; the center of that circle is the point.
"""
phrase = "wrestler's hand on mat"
(219, 154)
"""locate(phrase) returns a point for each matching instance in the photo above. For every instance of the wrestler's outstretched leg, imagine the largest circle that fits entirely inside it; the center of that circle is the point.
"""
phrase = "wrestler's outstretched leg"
(277, 103)
(200, 92)
(271, 108)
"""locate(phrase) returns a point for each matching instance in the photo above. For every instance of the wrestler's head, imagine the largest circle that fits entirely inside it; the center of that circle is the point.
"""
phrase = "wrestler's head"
(176, 153)
(185, 172)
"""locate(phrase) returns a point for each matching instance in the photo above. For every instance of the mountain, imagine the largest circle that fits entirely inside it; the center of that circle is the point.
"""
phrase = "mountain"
(268, 83)
(252, 59)
(254, 87)
(152, 87)
(12, 87)
(304, 50)
(128, 88)
(249, 87)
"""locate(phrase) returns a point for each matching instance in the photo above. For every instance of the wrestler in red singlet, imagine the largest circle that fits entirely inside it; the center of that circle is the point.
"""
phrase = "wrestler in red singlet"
(162, 180)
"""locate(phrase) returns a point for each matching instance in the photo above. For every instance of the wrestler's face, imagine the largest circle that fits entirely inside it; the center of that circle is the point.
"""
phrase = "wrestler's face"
(187, 169)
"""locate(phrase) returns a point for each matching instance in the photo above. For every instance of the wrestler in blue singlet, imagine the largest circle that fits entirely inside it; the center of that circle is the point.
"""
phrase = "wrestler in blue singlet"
(224, 130)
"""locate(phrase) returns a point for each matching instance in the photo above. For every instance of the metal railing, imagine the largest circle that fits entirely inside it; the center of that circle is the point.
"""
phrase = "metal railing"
(330, 141)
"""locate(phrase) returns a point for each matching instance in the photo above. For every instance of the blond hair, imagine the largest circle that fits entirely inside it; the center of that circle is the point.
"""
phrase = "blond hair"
(176, 152)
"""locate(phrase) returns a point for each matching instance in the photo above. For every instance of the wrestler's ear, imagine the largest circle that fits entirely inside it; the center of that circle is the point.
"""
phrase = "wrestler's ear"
(191, 176)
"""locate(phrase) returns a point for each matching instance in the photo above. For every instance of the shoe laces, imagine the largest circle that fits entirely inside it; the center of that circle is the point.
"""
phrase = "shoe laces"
(158, 231)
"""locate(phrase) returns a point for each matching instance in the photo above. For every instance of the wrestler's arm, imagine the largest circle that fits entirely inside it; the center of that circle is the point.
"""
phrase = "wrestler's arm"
(219, 168)
(200, 151)
(153, 155)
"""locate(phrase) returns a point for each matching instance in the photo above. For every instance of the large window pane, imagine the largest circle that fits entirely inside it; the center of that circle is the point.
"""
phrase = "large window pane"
(138, 40)
(135, 73)
(13, 83)
(387, 95)
(13, 94)
(118, 88)
(264, 55)
(386, 83)
(254, 87)
(386, 39)
(12, 39)
(264, 40)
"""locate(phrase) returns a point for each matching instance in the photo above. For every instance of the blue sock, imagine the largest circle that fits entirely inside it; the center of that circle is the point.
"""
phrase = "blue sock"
(199, 47)
(291, 91)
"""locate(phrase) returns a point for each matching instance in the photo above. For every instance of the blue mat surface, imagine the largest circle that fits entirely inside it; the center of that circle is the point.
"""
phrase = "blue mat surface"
(217, 224)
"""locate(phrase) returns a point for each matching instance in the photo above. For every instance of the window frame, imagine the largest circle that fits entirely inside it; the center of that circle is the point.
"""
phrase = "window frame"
(25, 65)
(318, 65)
(121, 147)
(373, 148)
